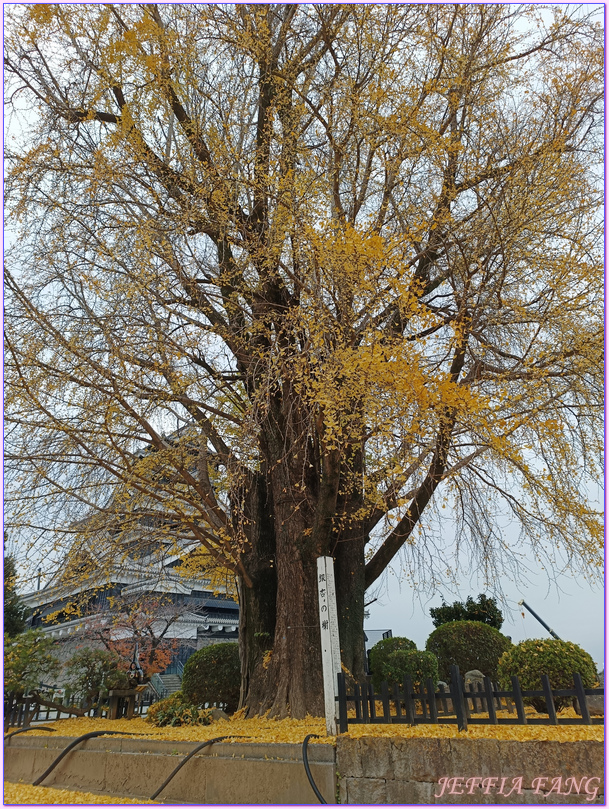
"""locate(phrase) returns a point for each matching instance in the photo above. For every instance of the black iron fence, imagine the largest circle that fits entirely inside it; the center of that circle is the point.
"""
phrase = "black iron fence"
(22, 711)
(19, 712)
(459, 704)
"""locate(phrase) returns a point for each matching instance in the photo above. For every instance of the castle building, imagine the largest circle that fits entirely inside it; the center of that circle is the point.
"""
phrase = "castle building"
(84, 595)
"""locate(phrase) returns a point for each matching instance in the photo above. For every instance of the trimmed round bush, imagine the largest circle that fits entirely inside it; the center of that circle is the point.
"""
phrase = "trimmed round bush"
(469, 645)
(213, 675)
(414, 664)
(559, 659)
(381, 651)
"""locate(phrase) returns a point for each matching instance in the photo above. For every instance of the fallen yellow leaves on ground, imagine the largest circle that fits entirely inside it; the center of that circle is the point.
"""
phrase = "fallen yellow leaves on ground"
(522, 733)
(257, 729)
(25, 793)
(293, 731)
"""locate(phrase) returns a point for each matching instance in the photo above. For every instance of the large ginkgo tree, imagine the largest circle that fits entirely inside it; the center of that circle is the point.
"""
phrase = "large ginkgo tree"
(351, 251)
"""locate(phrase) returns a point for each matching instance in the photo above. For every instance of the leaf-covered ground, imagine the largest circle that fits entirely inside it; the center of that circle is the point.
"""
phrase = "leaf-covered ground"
(25, 793)
(269, 730)
(293, 731)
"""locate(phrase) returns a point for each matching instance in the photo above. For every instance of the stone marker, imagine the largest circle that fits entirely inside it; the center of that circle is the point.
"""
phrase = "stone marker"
(474, 676)
(218, 713)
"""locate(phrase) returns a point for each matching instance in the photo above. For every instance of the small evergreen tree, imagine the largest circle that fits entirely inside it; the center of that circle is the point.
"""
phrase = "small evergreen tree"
(380, 652)
(14, 611)
(28, 659)
(412, 663)
(484, 610)
(94, 672)
(559, 659)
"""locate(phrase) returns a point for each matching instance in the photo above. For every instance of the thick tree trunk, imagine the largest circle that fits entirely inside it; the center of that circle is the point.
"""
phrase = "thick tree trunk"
(292, 673)
(283, 673)
(295, 665)
(350, 588)
(282, 668)
(257, 604)
(349, 568)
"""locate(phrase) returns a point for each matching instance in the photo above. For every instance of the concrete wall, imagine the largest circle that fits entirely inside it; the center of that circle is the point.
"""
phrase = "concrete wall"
(219, 774)
(370, 770)
(429, 771)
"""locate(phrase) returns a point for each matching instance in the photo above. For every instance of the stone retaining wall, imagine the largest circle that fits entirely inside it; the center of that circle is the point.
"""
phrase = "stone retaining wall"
(370, 770)
(430, 771)
(220, 774)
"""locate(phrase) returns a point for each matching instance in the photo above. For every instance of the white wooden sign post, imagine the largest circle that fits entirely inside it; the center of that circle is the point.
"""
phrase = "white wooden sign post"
(330, 644)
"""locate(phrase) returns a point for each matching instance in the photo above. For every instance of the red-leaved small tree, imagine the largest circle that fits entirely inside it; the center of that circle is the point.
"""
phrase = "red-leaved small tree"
(139, 623)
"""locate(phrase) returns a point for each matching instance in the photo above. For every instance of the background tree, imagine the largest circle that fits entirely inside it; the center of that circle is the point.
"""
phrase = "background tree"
(484, 610)
(558, 659)
(138, 621)
(352, 250)
(93, 672)
(419, 666)
(14, 611)
(379, 655)
(29, 659)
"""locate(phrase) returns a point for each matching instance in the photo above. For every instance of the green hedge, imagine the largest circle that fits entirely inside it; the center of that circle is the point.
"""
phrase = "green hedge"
(213, 674)
(469, 645)
(381, 651)
(559, 659)
(414, 664)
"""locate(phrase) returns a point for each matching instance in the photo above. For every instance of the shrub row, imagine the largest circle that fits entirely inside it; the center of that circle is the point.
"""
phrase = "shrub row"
(475, 645)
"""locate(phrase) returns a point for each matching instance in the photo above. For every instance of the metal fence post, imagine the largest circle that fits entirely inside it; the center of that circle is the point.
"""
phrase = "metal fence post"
(409, 701)
(581, 698)
(385, 700)
(522, 719)
(458, 697)
(433, 708)
(547, 689)
(490, 706)
(342, 703)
